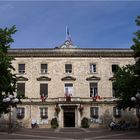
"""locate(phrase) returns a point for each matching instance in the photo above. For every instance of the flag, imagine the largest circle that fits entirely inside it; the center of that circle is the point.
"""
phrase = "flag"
(68, 37)
(68, 32)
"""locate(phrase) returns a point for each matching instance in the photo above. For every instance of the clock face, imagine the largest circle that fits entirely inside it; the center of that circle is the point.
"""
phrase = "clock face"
(67, 43)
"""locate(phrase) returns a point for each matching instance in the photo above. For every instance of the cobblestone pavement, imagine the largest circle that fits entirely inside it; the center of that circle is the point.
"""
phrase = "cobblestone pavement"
(70, 134)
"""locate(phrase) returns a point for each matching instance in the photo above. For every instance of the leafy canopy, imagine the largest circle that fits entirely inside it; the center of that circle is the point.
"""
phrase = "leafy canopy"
(7, 79)
(127, 82)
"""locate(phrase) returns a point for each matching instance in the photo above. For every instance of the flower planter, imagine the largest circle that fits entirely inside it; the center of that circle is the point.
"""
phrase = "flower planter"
(57, 109)
(68, 98)
(44, 117)
(20, 116)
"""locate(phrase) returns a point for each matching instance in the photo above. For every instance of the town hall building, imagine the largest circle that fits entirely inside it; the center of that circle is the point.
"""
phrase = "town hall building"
(68, 83)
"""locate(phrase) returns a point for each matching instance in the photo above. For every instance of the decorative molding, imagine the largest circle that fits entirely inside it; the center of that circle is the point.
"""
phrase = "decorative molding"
(112, 78)
(68, 78)
(93, 78)
(43, 78)
(21, 78)
(71, 52)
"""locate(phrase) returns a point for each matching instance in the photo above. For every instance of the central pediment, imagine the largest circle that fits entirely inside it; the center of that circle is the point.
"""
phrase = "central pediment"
(67, 44)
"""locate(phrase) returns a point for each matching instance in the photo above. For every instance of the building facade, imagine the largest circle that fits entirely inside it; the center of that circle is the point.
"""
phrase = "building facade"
(68, 83)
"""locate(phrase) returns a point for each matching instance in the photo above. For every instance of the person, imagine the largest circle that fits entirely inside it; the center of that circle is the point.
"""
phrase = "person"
(112, 125)
(34, 123)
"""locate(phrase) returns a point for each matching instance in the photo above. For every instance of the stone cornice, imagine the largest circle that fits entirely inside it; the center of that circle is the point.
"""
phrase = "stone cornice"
(71, 52)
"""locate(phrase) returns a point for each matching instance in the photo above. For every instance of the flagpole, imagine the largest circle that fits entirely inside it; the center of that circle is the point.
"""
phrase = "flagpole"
(66, 32)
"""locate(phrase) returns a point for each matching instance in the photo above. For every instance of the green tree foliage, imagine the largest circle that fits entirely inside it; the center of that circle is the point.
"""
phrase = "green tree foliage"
(125, 86)
(7, 79)
(136, 40)
(127, 82)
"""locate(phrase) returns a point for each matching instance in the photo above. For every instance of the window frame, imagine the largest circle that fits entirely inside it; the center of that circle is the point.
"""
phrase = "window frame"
(114, 70)
(20, 112)
(94, 112)
(19, 92)
(93, 67)
(117, 112)
(44, 70)
(93, 90)
(114, 94)
(68, 70)
(44, 112)
(41, 90)
(68, 90)
(21, 71)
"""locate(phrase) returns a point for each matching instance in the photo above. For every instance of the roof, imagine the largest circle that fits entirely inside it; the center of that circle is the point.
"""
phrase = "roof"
(71, 52)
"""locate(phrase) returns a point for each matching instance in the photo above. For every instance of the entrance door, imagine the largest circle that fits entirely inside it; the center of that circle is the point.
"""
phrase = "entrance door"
(69, 118)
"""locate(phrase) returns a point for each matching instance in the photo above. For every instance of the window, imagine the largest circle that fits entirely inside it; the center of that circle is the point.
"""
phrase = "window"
(20, 112)
(94, 112)
(68, 89)
(21, 68)
(68, 68)
(44, 68)
(21, 89)
(93, 90)
(44, 112)
(114, 93)
(116, 112)
(92, 68)
(43, 89)
(114, 68)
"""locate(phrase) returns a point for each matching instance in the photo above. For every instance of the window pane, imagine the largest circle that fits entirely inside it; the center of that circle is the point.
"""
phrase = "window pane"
(114, 68)
(114, 94)
(44, 112)
(116, 112)
(21, 89)
(94, 112)
(92, 68)
(44, 68)
(21, 68)
(69, 89)
(44, 89)
(20, 112)
(93, 90)
(68, 68)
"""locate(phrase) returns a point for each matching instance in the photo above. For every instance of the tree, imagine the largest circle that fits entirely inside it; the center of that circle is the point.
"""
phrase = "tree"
(127, 82)
(127, 79)
(7, 79)
(125, 86)
(136, 48)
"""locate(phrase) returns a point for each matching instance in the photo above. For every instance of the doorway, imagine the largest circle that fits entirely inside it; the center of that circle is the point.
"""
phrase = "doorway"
(69, 118)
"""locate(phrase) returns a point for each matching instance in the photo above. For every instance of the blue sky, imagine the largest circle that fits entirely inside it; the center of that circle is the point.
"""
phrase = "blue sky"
(92, 24)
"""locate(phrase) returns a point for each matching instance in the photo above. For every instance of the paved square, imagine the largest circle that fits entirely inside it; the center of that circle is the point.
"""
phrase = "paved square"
(71, 134)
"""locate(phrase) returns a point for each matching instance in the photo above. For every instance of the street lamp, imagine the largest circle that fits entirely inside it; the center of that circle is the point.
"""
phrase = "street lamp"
(11, 101)
(136, 99)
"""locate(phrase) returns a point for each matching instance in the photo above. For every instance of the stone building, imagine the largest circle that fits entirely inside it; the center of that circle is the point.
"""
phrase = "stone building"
(68, 83)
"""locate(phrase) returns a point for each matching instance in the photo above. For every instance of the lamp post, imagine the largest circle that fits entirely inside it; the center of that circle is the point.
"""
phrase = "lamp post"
(136, 99)
(11, 101)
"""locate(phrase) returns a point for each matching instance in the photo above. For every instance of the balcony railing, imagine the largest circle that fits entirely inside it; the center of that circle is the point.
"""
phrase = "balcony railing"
(73, 99)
